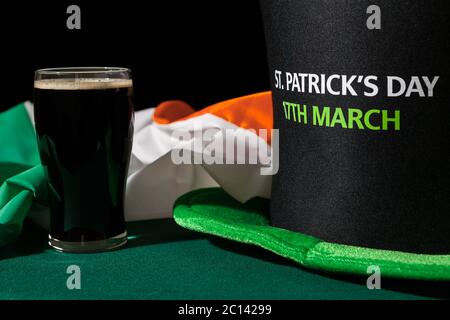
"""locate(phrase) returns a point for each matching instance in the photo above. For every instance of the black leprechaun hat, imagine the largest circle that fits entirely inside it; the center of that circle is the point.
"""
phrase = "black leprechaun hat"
(361, 100)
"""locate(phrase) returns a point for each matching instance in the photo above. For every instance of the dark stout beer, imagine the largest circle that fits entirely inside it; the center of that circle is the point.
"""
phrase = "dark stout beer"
(85, 129)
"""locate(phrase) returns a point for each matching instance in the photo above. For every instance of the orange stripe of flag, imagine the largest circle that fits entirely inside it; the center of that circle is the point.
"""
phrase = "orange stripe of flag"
(248, 112)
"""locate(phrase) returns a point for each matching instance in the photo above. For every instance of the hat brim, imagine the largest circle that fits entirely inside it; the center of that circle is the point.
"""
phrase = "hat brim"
(214, 212)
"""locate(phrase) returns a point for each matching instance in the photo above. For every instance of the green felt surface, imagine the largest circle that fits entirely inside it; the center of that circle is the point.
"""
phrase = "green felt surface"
(165, 261)
(162, 260)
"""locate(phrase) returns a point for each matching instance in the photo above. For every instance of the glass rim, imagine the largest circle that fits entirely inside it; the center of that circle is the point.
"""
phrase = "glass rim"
(81, 70)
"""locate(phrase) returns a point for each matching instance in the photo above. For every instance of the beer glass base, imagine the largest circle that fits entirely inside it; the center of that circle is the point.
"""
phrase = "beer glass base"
(88, 246)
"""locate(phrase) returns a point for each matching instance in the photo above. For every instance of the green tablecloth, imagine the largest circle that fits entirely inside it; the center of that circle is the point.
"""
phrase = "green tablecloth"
(164, 261)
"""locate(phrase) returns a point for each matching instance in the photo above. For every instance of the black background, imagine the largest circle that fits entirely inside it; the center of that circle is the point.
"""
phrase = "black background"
(198, 51)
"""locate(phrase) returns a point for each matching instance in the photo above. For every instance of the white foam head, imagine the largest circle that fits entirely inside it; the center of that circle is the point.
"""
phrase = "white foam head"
(83, 84)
